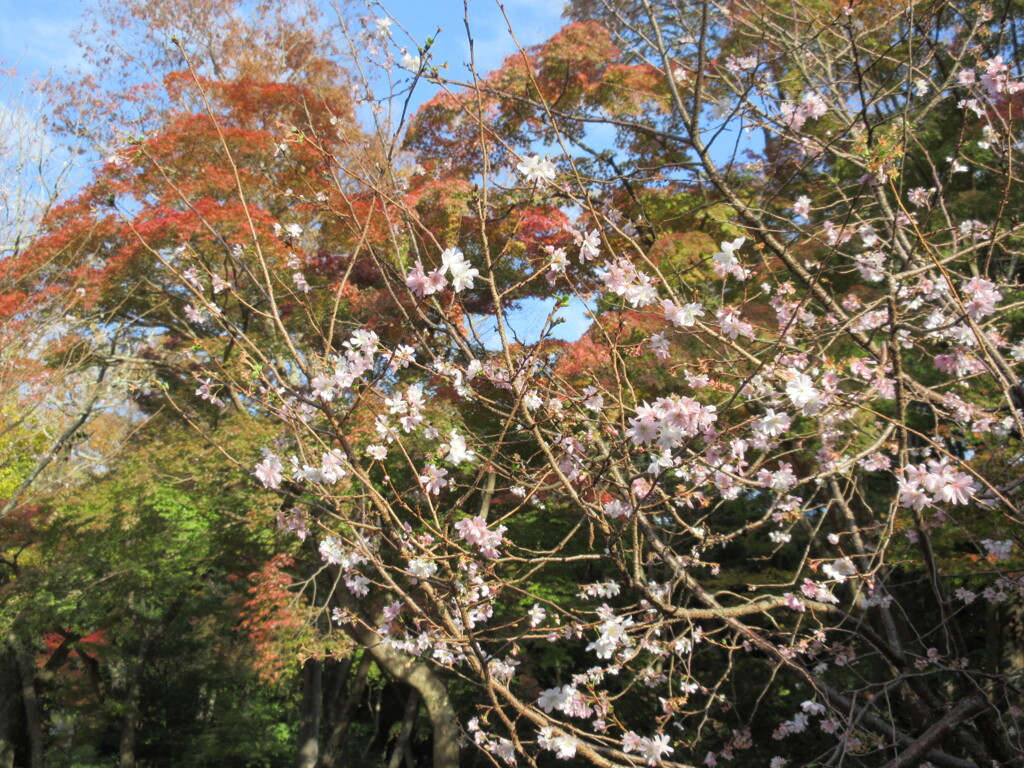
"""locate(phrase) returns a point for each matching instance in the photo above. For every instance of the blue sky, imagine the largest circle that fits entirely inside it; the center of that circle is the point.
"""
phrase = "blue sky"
(533, 20)
(37, 36)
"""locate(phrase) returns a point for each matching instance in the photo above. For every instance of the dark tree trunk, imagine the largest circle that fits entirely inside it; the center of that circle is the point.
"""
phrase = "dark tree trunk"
(133, 691)
(129, 721)
(30, 699)
(412, 706)
(12, 715)
(417, 674)
(334, 754)
(309, 723)
(336, 676)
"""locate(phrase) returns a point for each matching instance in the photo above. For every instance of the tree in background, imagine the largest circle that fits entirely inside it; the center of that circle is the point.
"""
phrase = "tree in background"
(116, 570)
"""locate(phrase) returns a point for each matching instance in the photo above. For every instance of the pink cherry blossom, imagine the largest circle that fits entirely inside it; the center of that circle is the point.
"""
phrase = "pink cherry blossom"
(433, 479)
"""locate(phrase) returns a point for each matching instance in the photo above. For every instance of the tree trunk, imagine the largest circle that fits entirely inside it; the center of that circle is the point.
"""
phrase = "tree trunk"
(29, 697)
(1011, 630)
(412, 706)
(11, 714)
(336, 676)
(334, 749)
(133, 691)
(309, 723)
(415, 673)
(132, 699)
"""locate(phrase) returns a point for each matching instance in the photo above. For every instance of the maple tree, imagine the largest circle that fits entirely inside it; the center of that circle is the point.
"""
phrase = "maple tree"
(140, 576)
(128, 48)
(96, 332)
(47, 397)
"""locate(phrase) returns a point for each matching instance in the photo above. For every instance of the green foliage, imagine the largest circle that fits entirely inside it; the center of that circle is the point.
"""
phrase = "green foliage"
(146, 566)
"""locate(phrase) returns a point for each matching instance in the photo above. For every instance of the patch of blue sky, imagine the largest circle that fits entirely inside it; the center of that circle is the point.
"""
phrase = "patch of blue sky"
(36, 37)
(532, 21)
(534, 319)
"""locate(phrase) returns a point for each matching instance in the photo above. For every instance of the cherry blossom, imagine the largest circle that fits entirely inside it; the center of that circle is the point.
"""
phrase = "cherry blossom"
(652, 750)
(732, 323)
(433, 479)
(982, 297)
(421, 568)
(803, 394)
(537, 169)
(589, 243)
(454, 263)
(269, 471)
(456, 450)
(725, 261)
(424, 284)
(773, 423)
(205, 392)
(410, 62)
(660, 346)
(787, 452)
(919, 196)
(682, 317)
(562, 744)
(998, 550)
(474, 530)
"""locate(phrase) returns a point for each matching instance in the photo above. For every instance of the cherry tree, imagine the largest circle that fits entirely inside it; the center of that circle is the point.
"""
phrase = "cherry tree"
(767, 506)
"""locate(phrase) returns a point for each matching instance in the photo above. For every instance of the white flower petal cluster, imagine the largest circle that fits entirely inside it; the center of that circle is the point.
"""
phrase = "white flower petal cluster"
(537, 168)
(562, 744)
(652, 750)
(934, 483)
(684, 316)
(803, 394)
(614, 634)
(725, 262)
